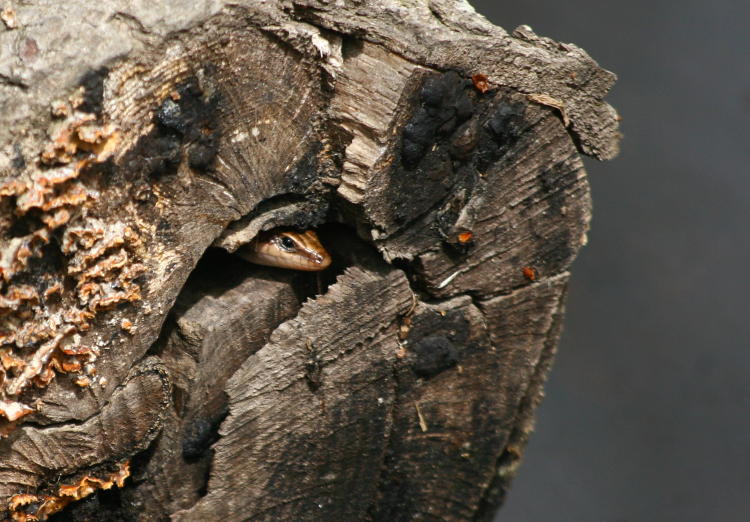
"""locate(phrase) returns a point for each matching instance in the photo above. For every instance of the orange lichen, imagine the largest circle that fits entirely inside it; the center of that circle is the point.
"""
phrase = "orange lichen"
(70, 366)
(404, 328)
(87, 485)
(79, 350)
(29, 334)
(131, 236)
(87, 290)
(28, 507)
(42, 322)
(40, 237)
(14, 187)
(101, 141)
(51, 177)
(132, 271)
(64, 142)
(45, 376)
(75, 196)
(57, 219)
(17, 296)
(34, 197)
(529, 273)
(23, 499)
(80, 318)
(14, 410)
(8, 360)
(105, 267)
(54, 191)
(23, 252)
(127, 325)
(82, 381)
(36, 364)
(56, 288)
(82, 237)
(22, 293)
(81, 133)
(109, 301)
(84, 259)
(465, 237)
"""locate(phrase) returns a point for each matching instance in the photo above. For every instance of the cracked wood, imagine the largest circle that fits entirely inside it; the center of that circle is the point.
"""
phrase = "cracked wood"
(399, 384)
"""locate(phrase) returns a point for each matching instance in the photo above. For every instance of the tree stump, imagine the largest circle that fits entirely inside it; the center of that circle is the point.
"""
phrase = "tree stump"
(149, 372)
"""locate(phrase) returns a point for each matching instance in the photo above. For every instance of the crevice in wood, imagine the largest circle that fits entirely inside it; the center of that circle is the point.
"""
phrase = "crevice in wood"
(510, 458)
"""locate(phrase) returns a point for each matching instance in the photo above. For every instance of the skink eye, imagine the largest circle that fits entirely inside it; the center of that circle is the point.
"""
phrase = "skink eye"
(287, 243)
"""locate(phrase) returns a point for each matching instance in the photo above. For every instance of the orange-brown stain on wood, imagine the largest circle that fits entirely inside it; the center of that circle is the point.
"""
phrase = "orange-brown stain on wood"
(481, 83)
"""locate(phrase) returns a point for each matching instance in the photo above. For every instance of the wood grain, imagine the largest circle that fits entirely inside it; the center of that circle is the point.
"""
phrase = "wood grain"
(141, 147)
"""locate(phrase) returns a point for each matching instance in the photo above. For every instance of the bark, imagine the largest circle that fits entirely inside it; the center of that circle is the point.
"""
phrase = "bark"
(148, 372)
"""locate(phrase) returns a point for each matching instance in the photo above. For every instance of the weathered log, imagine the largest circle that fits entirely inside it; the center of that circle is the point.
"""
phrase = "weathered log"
(439, 158)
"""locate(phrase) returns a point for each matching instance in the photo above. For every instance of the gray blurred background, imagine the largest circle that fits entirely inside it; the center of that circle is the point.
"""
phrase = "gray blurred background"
(647, 414)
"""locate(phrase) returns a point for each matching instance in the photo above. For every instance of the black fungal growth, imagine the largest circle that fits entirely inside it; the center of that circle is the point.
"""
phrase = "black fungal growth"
(186, 128)
(445, 104)
(429, 168)
(436, 342)
(93, 90)
(157, 154)
(189, 116)
(432, 355)
(453, 138)
(505, 123)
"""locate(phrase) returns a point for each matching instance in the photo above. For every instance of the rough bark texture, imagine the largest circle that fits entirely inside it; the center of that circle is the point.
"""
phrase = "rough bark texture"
(147, 374)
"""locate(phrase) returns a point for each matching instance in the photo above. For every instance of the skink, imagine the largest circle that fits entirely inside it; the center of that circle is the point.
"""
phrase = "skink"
(288, 248)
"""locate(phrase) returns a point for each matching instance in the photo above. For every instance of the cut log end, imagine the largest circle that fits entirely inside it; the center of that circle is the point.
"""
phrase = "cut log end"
(446, 181)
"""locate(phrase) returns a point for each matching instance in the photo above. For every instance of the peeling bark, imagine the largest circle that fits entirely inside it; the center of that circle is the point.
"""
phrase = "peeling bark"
(437, 155)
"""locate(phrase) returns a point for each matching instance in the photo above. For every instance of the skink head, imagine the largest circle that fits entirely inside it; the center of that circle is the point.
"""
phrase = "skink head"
(286, 248)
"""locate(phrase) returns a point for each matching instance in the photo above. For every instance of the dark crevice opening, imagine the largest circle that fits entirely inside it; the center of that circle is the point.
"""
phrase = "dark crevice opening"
(216, 273)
